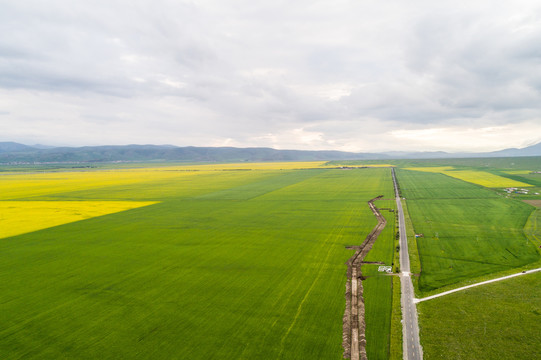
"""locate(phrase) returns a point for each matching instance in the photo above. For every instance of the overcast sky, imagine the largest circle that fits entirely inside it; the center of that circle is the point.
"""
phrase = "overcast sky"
(347, 75)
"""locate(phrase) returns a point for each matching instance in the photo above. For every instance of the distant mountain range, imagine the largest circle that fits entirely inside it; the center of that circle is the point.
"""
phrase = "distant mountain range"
(11, 152)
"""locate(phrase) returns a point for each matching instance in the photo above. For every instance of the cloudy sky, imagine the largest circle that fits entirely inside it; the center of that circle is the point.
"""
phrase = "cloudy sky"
(359, 75)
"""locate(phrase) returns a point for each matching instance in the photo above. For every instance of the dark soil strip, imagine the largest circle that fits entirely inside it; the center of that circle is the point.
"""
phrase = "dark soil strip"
(354, 327)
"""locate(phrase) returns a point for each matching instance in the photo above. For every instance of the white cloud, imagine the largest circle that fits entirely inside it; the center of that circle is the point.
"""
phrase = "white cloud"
(474, 139)
(346, 75)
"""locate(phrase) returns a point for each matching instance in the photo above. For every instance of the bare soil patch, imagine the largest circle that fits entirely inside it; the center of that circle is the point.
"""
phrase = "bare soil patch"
(536, 203)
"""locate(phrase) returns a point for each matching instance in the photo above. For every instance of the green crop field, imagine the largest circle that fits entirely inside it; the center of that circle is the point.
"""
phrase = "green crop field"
(533, 226)
(504, 163)
(468, 231)
(225, 264)
(501, 320)
(468, 234)
(378, 307)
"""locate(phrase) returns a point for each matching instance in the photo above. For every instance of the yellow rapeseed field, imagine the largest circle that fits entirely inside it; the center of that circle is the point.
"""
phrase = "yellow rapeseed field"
(517, 172)
(474, 176)
(434, 169)
(290, 165)
(20, 217)
(17, 186)
(485, 179)
(247, 166)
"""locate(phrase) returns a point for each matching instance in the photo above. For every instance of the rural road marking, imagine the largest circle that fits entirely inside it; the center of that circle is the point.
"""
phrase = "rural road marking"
(474, 285)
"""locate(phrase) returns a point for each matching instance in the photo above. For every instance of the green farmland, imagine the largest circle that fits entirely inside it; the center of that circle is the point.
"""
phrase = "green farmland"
(226, 264)
(467, 231)
(248, 261)
(495, 321)
(468, 234)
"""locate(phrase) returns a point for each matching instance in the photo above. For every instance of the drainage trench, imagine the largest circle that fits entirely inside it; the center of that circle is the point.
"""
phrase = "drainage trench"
(354, 326)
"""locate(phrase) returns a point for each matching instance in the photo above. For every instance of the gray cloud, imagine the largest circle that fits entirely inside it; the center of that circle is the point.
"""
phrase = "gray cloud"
(308, 74)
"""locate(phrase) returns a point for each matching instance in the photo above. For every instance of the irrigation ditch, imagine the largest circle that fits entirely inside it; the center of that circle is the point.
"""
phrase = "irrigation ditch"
(354, 326)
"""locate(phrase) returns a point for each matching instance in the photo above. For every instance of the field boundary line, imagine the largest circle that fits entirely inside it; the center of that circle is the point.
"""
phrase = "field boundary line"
(525, 272)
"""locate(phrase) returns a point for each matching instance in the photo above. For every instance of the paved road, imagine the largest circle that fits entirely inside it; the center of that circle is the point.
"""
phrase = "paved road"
(410, 328)
(474, 285)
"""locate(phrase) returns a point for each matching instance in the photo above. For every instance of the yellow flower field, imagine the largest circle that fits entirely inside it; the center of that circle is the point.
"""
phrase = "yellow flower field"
(485, 179)
(289, 165)
(435, 169)
(20, 217)
(243, 166)
(474, 176)
(518, 172)
(16, 186)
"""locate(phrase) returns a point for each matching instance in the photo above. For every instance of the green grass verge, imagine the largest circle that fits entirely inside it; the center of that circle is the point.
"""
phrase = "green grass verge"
(396, 322)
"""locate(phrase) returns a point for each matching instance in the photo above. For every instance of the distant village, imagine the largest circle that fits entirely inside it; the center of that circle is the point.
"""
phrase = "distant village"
(514, 190)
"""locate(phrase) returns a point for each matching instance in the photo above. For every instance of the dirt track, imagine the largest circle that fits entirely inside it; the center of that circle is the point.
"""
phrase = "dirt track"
(354, 327)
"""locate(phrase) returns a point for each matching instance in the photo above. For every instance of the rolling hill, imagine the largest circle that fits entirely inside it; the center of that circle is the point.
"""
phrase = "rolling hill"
(11, 152)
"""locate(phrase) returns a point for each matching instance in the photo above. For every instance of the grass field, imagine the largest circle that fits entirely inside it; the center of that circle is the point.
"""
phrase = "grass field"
(226, 264)
(532, 229)
(396, 352)
(495, 321)
(378, 293)
(467, 231)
